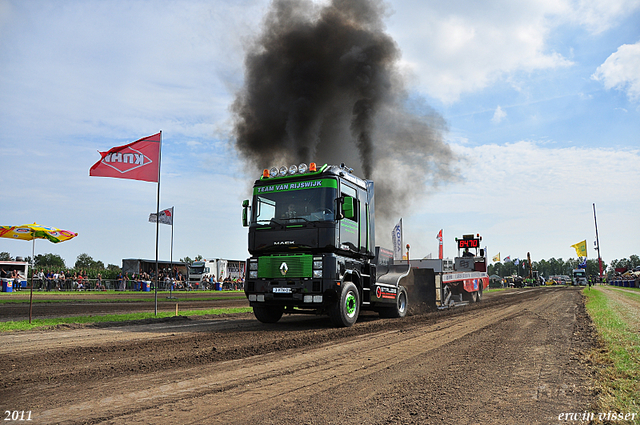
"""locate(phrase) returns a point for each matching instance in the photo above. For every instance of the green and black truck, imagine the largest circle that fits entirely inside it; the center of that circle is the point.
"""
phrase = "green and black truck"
(312, 246)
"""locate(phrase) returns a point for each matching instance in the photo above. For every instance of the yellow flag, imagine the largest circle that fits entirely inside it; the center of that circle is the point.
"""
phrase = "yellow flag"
(496, 257)
(581, 248)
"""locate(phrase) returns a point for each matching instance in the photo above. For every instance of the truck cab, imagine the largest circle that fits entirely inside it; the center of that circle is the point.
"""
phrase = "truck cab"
(203, 268)
(579, 277)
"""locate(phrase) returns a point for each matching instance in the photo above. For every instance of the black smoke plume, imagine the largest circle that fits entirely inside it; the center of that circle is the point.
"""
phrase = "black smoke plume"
(322, 84)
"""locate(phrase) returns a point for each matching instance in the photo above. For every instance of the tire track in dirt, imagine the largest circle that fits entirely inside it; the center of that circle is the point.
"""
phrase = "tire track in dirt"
(245, 391)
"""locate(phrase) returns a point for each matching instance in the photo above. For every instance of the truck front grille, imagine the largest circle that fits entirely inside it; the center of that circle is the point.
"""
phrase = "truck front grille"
(285, 266)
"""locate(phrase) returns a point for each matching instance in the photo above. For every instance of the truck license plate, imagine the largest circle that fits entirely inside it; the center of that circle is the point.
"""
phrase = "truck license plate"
(281, 290)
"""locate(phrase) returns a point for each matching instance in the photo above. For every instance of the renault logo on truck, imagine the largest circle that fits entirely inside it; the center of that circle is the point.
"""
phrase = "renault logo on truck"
(284, 269)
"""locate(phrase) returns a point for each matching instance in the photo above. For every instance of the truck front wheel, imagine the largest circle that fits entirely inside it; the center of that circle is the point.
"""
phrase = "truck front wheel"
(344, 312)
(268, 313)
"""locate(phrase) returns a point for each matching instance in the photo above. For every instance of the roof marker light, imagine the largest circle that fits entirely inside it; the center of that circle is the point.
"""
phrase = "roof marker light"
(273, 172)
(302, 168)
(265, 173)
(283, 171)
(312, 167)
(293, 169)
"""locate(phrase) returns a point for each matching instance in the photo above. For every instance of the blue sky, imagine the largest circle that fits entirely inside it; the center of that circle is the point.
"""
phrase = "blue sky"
(542, 101)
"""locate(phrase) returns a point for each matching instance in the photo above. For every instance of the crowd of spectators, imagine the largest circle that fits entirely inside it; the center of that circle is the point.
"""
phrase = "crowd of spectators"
(629, 280)
(61, 280)
(72, 280)
(227, 283)
(13, 276)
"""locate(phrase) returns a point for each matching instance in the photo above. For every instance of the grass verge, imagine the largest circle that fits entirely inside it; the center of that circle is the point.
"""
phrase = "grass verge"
(106, 299)
(618, 376)
(38, 323)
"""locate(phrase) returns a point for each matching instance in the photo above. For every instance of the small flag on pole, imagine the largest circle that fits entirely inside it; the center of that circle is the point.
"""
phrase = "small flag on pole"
(439, 238)
(396, 238)
(581, 248)
(496, 258)
(166, 217)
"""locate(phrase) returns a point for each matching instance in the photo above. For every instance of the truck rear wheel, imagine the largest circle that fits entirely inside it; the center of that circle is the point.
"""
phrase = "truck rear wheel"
(480, 294)
(268, 313)
(344, 312)
(400, 309)
(471, 297)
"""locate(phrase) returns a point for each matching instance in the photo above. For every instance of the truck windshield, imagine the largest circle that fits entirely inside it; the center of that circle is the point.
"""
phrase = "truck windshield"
(196, 269)
(302, 205)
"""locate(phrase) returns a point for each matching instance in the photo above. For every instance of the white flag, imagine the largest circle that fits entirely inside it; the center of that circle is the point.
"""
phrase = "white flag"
(166, 216)
(396, 237)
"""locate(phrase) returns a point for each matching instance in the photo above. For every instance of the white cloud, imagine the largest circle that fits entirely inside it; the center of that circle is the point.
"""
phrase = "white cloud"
(148, 59)
(498, 115)
(621, 70)
(459, 47)
(600, 15)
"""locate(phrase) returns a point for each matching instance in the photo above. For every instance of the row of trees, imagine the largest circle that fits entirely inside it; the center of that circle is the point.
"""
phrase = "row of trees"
(84, 262)
(188, 260)
(558, 266)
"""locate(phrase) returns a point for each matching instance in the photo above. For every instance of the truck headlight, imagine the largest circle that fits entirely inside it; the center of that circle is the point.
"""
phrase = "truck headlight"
(317, 264)
(317, 274)
(253, 265)
(253, 274)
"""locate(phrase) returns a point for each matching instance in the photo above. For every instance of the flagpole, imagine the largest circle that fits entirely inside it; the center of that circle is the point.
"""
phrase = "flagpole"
(158, 225)
(173, 212)
(33, 263)
(597, 241)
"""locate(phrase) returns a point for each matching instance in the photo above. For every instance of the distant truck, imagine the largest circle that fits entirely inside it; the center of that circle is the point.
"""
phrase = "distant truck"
(217, 267)
(312, 246)
(579, 277)
(203, 268)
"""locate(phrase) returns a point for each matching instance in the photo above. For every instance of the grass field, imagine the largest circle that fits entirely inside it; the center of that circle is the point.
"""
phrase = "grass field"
(110, 300)
(38, 323)
(616, 315)
(114, 296)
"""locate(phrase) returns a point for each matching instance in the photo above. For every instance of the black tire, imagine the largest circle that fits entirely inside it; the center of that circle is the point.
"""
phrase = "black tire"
(471, 297)
(268, 313)
(345, 311)
(480, 293)
(401, 307)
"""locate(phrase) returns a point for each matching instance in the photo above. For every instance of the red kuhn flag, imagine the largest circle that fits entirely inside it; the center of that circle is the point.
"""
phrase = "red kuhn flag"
(139, 160)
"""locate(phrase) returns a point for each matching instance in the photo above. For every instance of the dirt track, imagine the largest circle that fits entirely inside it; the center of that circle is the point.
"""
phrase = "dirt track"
(514, 358)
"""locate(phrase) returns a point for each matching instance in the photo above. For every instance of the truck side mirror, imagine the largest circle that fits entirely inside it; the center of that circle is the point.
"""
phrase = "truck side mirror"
(348, 207)
(482, 252)
(245, 214)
